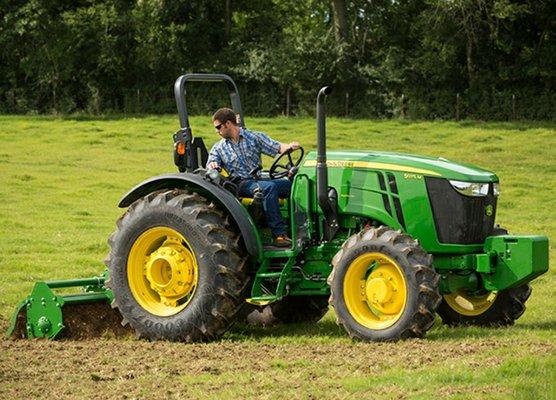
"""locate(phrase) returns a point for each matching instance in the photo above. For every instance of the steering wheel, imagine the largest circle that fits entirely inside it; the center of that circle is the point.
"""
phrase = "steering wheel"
(280, 170)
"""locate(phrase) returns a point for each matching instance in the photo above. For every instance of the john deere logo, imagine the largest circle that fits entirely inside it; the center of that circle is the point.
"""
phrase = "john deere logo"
(489, 210)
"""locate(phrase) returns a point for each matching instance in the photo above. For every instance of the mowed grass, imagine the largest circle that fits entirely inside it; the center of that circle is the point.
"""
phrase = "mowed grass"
(61, 180)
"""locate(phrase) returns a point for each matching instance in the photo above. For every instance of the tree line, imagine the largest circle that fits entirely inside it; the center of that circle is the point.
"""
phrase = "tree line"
(492, 59)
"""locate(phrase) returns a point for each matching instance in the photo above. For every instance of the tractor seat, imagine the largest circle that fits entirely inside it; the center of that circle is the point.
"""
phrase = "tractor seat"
(246, 201)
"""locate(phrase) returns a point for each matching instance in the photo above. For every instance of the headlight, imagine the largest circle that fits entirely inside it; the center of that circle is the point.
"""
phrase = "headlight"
(496, 189)
(470, 188)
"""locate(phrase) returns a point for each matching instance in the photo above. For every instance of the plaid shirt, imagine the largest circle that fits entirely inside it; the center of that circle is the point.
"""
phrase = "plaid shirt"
(241, 158)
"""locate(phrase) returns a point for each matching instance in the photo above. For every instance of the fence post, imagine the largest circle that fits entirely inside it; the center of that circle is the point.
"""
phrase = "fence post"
(457, 107)
(403, 110)
(347, 104)
(513, 107)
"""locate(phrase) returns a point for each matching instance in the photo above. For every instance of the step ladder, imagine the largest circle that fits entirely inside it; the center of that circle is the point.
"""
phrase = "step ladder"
(260, 294)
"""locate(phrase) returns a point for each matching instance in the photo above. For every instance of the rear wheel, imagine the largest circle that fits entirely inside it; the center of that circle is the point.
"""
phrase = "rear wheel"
(383, 286)
(176, 270)
(490, 308)
(290, 310)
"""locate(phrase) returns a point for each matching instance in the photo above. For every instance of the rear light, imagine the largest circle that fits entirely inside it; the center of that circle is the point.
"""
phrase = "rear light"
(180, 148)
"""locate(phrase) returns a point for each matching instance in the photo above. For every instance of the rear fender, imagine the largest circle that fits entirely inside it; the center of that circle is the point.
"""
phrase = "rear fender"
(197, 184)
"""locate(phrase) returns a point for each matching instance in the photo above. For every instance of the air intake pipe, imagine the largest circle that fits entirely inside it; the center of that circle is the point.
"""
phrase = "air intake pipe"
(327, 198)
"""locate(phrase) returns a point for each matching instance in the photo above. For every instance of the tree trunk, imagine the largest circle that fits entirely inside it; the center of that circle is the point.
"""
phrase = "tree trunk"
(227, 21)
(288, 101)
(340, 21)
(341, 33)
(470, 61)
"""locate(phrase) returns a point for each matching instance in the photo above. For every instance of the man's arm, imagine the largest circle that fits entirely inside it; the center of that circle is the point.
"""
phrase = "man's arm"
(271, 147)
(214, 161)
(290, 146)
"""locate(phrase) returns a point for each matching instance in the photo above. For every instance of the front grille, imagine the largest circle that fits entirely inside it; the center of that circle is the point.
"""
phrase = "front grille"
(460, 219)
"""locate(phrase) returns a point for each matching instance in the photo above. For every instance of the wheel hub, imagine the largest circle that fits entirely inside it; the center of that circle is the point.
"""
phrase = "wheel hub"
(381, 290)
(162, 271)
(378, 291)
(375, 290)
(170, 272)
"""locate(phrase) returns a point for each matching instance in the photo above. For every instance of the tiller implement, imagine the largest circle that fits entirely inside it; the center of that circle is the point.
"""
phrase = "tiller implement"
(47, 314)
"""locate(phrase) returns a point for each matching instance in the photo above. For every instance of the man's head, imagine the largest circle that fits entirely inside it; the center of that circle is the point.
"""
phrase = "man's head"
(224, 121)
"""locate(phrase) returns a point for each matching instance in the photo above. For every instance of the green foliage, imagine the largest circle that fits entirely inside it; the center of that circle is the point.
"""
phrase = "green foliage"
(120, 56)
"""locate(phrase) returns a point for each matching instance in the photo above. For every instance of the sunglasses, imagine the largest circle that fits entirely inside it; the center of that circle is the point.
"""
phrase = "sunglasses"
(217, 127)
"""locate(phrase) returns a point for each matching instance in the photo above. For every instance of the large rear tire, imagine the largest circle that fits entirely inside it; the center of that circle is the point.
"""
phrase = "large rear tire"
(383, 287)
(176, 269)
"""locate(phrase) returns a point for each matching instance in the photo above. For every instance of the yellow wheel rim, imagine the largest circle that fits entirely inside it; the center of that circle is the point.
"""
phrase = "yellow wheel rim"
(375, 290)
(470, 305)
(162, 271)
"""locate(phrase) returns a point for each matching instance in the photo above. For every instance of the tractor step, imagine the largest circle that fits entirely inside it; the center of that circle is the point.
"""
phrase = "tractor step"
(266, 275)
(276, 252)
(262, 300)
(261, 292)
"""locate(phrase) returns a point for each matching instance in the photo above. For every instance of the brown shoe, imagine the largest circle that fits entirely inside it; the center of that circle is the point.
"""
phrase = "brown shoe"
(282, 241)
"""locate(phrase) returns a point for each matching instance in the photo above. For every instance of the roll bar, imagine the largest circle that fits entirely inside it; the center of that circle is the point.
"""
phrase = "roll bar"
(179, 93)
(187, 151)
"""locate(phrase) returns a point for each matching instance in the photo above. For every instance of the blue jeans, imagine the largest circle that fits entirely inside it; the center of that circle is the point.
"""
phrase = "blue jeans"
(272, 190)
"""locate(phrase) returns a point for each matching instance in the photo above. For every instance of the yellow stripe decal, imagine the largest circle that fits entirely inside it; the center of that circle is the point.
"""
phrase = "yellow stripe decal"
(370, 165)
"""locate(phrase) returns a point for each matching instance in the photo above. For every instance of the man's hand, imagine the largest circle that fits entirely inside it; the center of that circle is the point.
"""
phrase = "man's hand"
(294, 145)
(213, 165)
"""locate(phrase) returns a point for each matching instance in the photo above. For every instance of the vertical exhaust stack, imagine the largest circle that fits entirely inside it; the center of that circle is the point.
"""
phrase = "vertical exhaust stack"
(327, 198)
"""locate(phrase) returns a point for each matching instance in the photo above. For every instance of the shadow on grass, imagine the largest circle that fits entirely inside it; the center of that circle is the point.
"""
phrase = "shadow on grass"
(444, 332)
(543, 326)
(328, 329)
(324, 328)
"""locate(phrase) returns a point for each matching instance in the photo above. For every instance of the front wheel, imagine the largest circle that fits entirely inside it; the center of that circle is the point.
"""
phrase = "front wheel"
(383, 287)
(490, 308)
(487, 309)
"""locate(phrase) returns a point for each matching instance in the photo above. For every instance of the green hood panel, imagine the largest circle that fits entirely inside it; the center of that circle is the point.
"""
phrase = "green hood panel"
(399, 162)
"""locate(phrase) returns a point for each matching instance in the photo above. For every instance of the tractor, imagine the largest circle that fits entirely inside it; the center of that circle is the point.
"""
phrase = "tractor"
(388, 240)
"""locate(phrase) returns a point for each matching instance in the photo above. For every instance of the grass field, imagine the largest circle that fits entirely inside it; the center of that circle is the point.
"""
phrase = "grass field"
(61, 180)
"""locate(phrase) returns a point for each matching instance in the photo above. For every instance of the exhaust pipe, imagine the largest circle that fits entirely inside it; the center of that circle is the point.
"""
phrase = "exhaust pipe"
(327, 199)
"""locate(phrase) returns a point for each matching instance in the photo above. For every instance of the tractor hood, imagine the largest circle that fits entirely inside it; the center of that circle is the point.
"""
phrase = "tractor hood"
(399, 162)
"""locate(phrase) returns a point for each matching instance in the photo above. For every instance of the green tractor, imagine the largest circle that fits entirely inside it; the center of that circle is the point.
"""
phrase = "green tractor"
(387, 239)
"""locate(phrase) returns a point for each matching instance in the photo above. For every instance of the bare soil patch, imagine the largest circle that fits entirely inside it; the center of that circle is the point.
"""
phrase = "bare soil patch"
(123, 369)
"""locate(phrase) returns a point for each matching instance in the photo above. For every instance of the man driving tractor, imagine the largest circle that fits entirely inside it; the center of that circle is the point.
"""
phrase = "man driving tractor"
(239, 152)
